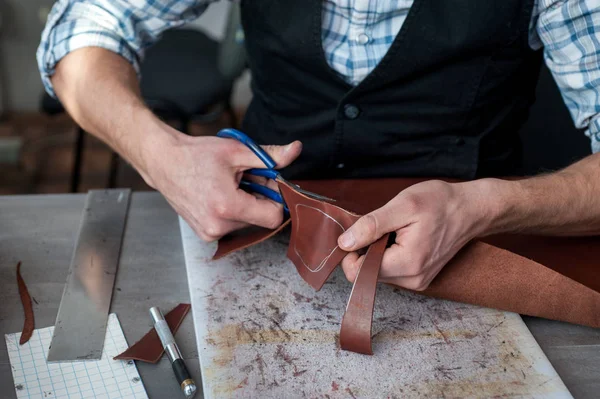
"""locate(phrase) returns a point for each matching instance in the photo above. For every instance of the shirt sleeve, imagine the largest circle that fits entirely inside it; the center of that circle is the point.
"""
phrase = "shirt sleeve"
(569, 30)
(126, 27)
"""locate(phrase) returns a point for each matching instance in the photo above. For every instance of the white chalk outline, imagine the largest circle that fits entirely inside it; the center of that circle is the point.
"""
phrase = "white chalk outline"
(322, 264)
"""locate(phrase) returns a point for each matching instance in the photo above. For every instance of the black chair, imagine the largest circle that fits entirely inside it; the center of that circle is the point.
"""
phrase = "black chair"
(182, 81)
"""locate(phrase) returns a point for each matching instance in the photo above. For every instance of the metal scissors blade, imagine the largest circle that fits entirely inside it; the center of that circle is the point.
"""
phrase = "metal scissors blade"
(274, 175)
(306, 192)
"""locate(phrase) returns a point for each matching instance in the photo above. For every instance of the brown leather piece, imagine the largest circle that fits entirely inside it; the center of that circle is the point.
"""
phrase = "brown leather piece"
(551, 277)
(355, 333)
(316, 226)
(149, 348)
(489, 276)
(245, 238)
(574, 257)
(313, 249)
(29, 323)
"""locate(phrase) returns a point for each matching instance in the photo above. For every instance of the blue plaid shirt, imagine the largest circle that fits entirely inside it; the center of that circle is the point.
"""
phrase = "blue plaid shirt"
(356, 36)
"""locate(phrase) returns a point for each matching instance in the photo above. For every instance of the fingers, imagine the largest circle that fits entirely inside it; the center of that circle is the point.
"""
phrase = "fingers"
(391, 267)
(399, 262)
(247, 208)
(407, 266)
(244, 211)
(370, 228)
(243, 158)
(204, 186)
(398, 268)
(212, 229)
(414, 283)
(272, 184)
(351, 264)
(235, 208)
(284, 155)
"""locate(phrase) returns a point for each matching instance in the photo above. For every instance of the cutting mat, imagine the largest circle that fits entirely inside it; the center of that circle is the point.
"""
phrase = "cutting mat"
(263, 332)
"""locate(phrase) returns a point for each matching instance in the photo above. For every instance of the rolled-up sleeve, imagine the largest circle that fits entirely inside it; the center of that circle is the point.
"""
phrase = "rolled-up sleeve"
(570, 33)
(126, 27)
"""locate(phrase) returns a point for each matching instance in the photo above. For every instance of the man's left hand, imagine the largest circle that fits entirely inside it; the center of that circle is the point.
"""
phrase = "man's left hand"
(432, 220)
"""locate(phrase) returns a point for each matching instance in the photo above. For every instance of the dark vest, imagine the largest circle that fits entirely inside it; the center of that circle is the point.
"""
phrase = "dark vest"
(447, 99)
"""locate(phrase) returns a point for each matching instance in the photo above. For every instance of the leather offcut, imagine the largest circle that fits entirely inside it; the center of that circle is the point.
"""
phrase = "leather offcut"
(149, 349)
(29, 323)
(245, 238)
(551, 277)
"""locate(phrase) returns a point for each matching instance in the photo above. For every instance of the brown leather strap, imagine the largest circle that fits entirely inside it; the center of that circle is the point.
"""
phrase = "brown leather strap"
(29, 323)
(149, 348)
(355, 333)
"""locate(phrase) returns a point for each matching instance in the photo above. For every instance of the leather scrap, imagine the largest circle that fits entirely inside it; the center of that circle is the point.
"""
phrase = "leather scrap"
(251, 236)
(149, 348)
(551, 277)
(29, 323)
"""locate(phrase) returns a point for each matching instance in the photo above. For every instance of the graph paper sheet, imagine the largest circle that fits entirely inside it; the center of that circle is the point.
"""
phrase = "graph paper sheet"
(105, 378)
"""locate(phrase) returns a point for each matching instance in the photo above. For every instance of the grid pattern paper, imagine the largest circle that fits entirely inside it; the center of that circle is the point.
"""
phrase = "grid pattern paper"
(105, 378)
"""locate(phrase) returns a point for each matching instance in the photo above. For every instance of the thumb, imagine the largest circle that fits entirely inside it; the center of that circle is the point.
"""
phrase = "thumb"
(366, 230)
(283, 155)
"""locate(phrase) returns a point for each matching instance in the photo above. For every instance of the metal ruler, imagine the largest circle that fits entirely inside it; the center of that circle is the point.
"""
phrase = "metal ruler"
(80, 325)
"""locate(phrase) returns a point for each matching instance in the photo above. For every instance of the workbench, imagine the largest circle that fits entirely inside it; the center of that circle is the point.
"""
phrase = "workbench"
(41, 230)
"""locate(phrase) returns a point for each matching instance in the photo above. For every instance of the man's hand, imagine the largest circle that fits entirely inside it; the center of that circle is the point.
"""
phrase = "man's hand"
(200, 178)
(432, 220)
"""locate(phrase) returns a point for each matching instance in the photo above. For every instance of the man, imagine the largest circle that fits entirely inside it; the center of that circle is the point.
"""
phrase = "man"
(370, 88)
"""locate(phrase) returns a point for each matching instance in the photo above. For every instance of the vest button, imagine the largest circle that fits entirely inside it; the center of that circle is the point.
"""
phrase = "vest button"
(340, 166)
(351, 111)
(459, 141)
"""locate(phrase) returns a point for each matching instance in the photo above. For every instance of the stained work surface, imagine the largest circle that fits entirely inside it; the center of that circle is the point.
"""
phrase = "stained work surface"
(262, 331)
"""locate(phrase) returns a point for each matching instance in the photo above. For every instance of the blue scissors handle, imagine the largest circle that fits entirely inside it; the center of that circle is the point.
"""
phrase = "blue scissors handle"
(270, 164)
(248, 142)
(268, 173)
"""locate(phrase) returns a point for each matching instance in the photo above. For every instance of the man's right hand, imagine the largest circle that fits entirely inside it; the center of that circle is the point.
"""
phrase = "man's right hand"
(200, 178)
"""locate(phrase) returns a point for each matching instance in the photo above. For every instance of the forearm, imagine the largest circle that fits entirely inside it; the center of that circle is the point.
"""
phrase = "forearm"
(198, 176)
(100, 91)
(562, 203)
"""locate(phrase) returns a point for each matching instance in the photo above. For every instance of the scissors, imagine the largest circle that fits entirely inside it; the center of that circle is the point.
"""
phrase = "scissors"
(269, 172)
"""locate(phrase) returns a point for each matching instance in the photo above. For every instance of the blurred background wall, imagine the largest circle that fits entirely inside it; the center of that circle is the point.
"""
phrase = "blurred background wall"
(21, 24)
